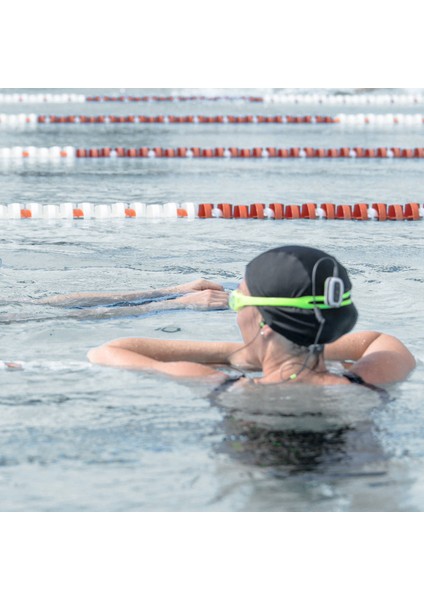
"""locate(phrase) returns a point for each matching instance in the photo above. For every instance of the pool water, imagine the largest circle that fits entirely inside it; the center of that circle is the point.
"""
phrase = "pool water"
(77, 437)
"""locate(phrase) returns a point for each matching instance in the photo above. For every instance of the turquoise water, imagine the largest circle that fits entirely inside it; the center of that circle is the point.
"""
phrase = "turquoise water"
(80, 437)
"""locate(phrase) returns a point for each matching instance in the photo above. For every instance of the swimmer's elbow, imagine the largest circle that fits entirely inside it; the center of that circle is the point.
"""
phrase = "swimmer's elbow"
(98, 355)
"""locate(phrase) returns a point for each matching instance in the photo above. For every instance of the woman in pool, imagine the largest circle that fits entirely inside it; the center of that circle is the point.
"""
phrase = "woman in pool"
(294, 309)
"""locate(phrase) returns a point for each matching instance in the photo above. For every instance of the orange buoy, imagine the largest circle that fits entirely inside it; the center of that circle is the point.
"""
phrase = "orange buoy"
(25, 213)
(256, 211)
(241, 212)
(294, 152)
(412, 211)
(406, 153)
(395, 212)
(130, 212)
(381, 210)
(360, 212)
(181, 212)
(227, 210)
(78, 213)
(292, 211)
(343, 211)
(278, 210)
(169, 153)
(205, 211)
(308, 211)
(283, 153)
(330, 210)
(272, 152)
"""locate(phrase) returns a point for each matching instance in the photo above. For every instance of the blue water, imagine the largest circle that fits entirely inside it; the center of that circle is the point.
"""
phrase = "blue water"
(80, 437)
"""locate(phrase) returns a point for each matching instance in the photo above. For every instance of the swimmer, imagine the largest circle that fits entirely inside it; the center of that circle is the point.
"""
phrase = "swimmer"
(295, 311)
(200, 294)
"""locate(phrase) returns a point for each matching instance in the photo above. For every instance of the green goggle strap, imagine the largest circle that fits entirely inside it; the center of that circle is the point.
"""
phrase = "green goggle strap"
(238, 300)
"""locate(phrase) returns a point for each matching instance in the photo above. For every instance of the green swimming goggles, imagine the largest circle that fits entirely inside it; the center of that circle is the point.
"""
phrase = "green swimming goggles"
(237, 300)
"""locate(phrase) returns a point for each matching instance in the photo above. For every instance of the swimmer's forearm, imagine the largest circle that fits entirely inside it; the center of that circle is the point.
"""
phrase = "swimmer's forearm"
(174, 350)
(111, 356)
(92, 299)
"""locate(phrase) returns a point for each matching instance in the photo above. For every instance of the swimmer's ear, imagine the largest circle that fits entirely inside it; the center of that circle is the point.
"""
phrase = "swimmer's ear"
(264, 329)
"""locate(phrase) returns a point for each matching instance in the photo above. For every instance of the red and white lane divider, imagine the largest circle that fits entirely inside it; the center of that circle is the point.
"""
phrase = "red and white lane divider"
(33, 119)
(13, 98)
(302, 98)
(412, 211)
(22, 120)
(57, 152)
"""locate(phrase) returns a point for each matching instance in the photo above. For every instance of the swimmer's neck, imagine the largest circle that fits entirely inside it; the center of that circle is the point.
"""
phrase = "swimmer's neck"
(284, 367)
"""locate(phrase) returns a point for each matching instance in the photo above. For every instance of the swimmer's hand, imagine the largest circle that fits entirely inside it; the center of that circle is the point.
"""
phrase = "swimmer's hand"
(207, 299)
(197, 286)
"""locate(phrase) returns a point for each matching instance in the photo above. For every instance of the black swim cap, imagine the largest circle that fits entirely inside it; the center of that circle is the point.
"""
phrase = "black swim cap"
(286, 272)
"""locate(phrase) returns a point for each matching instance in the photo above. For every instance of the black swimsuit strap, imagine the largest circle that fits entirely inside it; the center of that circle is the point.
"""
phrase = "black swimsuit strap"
(355, 378)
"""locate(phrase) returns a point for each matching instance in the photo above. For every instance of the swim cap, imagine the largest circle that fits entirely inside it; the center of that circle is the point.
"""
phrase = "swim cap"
(286, 272)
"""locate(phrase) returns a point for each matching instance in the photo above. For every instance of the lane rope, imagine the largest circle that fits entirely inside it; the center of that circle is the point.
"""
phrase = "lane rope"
(301, 98)
(32, 119)
(57, 152)
(378, 211)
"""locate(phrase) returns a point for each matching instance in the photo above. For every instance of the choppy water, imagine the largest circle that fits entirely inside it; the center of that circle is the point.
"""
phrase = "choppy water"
(81, 437)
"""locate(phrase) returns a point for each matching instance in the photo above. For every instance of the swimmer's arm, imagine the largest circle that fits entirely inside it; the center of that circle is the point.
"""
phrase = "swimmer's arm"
(93, 299)
(379, 358)
(179, 358)
(205, 300)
